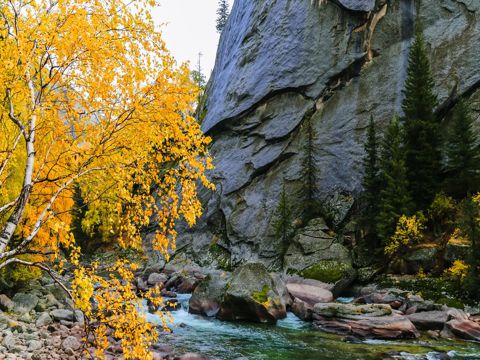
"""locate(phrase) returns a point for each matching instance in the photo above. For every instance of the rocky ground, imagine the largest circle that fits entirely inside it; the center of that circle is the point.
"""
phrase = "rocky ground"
(38, 323)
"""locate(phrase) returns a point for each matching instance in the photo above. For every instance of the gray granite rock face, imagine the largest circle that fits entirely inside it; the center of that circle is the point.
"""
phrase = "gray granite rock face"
(294, 81)
(358, 5)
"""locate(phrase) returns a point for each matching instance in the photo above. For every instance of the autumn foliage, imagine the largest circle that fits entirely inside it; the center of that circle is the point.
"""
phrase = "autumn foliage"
(91, 98)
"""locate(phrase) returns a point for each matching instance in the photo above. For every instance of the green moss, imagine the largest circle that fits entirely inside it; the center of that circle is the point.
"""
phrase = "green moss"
(451, 302)
(261, 296)
(438, 289)
(221, 255)
(328, 271)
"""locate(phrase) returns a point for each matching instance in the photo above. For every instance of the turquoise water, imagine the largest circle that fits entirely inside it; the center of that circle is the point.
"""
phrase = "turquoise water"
(293, 339)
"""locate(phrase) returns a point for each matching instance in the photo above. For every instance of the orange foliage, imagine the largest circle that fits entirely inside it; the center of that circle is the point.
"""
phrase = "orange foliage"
(93, 99)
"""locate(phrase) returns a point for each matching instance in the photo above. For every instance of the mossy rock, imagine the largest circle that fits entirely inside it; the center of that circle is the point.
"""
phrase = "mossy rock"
(221, 256)
(340, 274)
(261, 296)
(367, 274)
(252, 294)
(329, 271)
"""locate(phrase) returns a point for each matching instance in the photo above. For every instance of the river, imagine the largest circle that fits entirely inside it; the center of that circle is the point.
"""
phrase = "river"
(293, 339)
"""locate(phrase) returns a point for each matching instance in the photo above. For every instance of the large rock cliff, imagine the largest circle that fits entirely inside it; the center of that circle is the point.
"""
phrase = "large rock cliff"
(299, 80)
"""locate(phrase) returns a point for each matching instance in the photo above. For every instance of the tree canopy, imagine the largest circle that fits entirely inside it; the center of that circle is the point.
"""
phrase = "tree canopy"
(422, 134)
(92, 98)
(223, 12)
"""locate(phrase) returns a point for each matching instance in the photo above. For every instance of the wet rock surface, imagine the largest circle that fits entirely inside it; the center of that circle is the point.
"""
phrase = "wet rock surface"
(309, 294)
(252, 295)
(374, 321)
(207, 297)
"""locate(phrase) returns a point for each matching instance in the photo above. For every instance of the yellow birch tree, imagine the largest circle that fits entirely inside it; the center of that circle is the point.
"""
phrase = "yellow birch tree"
(90, 97)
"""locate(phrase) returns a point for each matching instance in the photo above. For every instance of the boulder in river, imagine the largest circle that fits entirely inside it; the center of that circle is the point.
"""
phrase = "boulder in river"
(465, 329)
(429, 320)
(368, 321)
(157, 279)
(301, 309)
(207, 296)
(310, 294)
(252, 294)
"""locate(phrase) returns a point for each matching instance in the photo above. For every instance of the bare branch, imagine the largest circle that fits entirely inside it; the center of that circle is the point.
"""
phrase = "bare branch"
(8, 206)
(10, 153)
(42, 266)
(11, 113)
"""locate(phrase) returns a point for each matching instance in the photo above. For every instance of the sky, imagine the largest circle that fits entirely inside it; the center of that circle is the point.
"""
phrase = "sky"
(190, 29)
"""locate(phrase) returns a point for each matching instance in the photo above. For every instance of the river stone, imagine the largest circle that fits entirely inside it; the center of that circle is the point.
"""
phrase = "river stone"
(381, 327)
(281, 288)
(371, 295)
(43, 319)
(457, 314)
(429, 320)
(141, 284)
(309, 294)
(339, 310)
(24, 302)
(287, 72)
(301, 309)
(5, 303)
(156, 278)
(207, 296)
(191, 356)
(62, 314)
(252, 294)
(417, 302)
(34, 345)
(372, 321)
(9, 341)
(71, 342)
(464, 329)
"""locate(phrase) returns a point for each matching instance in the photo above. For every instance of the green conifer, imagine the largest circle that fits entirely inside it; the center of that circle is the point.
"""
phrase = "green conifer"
(222, 15)
(422, 135)
(311, 207)
(283, 222)
(462, 152)
(371, 185)
(394, 199)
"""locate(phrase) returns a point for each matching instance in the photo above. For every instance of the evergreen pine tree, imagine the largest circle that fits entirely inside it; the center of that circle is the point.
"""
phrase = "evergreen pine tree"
(222, 15)
(422, 136)
(309, 171)
(371, 185)
(462, 165)
(283, 223)
(394, 199)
